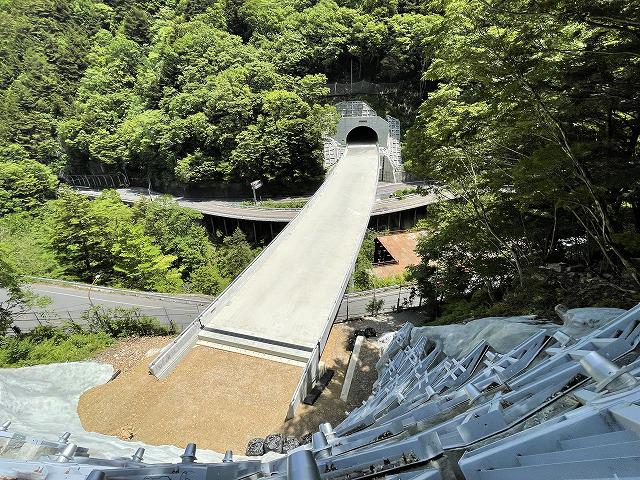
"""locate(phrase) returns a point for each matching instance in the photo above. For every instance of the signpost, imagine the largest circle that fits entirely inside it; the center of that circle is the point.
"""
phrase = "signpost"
(254, 186)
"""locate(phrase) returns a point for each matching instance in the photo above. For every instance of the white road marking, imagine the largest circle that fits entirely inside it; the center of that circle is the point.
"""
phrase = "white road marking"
(97, 299)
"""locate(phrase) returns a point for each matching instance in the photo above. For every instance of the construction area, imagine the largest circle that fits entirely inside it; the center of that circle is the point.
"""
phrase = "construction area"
(497, 398)
(281, 308)
(240, 398)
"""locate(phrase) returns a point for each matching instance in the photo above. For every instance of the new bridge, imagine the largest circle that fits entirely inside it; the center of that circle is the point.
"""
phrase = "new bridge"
(283, 305)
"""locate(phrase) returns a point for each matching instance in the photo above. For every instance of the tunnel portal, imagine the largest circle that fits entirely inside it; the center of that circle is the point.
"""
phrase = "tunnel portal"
(362, 136)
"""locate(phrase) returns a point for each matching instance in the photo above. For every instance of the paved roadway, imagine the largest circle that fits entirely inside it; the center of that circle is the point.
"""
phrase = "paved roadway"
(68, 301)
(355, 304)
(285, 302)
(74, 299)
(234, 209)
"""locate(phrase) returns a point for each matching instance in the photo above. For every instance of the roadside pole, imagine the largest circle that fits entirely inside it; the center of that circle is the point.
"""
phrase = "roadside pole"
(256, 184)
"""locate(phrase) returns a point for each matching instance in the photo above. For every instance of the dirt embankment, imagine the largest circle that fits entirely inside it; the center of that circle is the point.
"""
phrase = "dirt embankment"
(214, 398)
(219, 399)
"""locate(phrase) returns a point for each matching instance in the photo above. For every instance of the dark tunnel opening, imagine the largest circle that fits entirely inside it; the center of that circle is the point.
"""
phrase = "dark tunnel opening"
(362, 136)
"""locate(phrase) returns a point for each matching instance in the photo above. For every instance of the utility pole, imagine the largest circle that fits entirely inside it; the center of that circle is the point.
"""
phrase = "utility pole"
(351, 85)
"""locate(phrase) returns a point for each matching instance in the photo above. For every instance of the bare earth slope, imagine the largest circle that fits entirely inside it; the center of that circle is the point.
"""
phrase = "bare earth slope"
(237, 398)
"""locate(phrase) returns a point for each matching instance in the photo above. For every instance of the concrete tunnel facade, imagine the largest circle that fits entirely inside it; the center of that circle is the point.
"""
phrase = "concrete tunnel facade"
(347, 125)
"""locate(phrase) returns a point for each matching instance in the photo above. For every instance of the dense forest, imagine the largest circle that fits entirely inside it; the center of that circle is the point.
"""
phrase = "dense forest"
(534, 128)
(528, 112)
(193, 91)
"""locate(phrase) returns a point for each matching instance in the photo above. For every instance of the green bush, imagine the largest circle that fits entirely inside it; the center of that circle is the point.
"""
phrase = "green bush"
(374, 306)
(397, 279)
(121, 322)
(277, 203)
(24, 185)
(71, 343)
(55, 347)
(207, 279)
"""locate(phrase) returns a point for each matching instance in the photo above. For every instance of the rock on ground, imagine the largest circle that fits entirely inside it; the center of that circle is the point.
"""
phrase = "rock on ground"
(289, 443)
(255, 447)
(273, 443)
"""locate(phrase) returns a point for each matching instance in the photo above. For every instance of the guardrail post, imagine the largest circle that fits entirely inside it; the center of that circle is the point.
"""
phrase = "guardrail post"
(347, 307)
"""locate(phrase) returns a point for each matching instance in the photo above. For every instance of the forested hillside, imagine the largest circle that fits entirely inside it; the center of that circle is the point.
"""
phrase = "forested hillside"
(529, 113)
(190, 91)
(534, 127)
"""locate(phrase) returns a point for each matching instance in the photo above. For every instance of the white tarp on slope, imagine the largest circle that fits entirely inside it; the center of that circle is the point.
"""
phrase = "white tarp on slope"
(42, 402)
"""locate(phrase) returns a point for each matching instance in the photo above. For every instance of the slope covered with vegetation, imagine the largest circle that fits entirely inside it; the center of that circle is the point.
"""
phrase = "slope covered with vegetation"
(156, 246)
(534, 127)
(192, 90)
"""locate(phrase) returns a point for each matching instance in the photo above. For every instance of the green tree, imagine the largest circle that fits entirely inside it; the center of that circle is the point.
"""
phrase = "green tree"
(284, 145)
(77, 238)
(532, 130)
(207, 279)
(99, 241)
(17, 298)
(235, 255)
(374, 306)
(24, 184)
(177, 230)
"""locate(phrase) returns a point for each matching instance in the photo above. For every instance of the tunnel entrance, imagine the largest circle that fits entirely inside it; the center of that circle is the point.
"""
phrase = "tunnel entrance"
(361, 136)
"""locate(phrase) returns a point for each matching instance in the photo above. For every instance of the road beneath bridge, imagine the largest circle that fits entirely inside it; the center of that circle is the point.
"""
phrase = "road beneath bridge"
(69, 300)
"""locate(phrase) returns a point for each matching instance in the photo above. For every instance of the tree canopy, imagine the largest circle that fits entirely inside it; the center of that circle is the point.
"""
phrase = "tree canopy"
(534, 129)
(192, 91)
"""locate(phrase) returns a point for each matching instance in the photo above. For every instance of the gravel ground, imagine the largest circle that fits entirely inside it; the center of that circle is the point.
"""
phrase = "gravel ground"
(126, 353)
(214, 398)
(221, 400)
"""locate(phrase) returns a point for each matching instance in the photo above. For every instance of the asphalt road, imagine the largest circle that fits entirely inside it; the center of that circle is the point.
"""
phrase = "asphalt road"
(355, 304)
(69, 301)
(235, 209)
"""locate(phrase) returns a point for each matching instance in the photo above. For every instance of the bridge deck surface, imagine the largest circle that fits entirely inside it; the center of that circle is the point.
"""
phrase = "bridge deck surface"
(287, 298)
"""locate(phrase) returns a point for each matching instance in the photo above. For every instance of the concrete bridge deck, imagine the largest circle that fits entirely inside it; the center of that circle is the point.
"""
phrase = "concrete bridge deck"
(283, 305)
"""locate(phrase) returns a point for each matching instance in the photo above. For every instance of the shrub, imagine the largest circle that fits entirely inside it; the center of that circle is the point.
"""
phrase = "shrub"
(374, 306)
(24, 185)
(50, 345)
(121, 322)
(71, 343)
(207, 279)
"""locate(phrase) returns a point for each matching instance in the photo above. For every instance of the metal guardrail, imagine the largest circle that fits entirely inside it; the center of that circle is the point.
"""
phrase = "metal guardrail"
(199, 299)
(363, 87)
(308, 378)
(105, 180)
(394, 299)
(26, 321)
